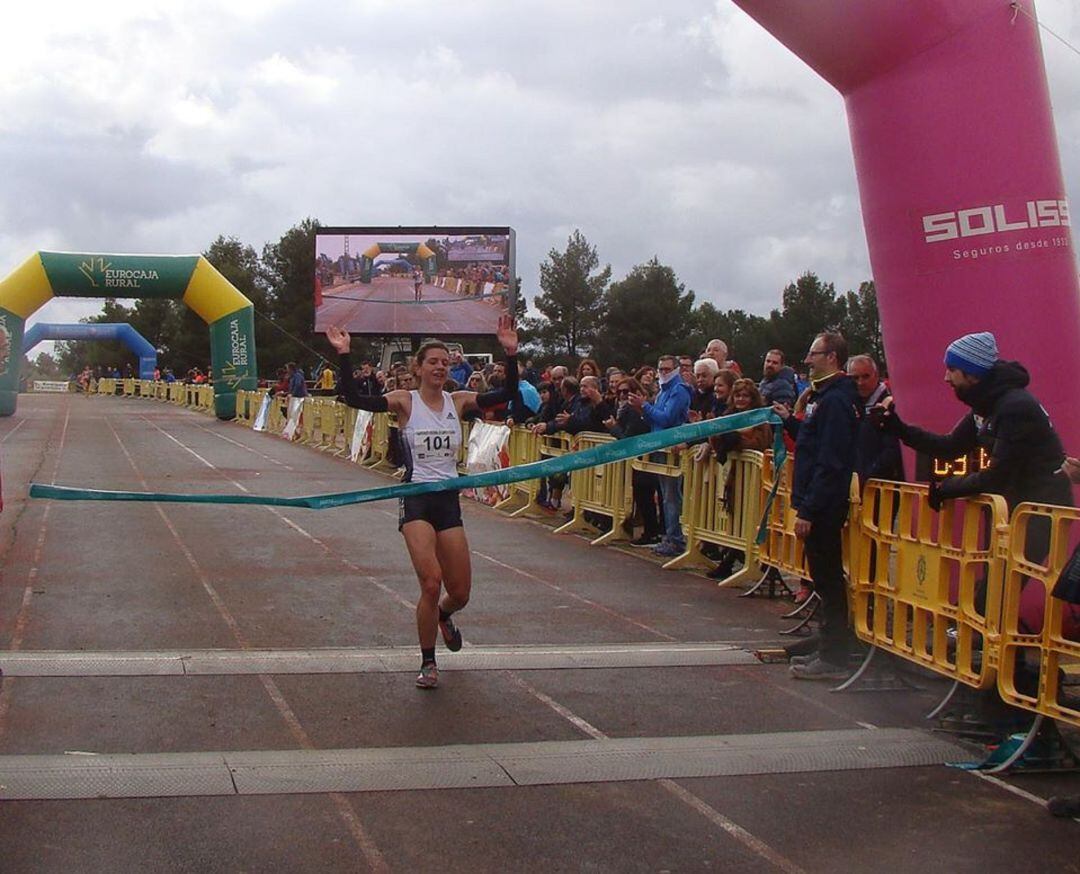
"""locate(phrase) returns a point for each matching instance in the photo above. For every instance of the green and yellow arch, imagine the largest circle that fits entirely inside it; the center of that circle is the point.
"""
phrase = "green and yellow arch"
(190, 278)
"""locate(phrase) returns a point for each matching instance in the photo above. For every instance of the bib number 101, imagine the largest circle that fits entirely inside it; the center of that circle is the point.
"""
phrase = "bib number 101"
(437, 442)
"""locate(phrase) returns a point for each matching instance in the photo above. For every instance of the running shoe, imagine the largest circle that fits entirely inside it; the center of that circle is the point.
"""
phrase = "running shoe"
(428, 678)
(450, 634)
(645, 541)
(819, 669)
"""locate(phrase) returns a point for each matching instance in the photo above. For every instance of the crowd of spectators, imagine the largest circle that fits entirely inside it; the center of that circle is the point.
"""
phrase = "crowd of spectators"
(477, 272)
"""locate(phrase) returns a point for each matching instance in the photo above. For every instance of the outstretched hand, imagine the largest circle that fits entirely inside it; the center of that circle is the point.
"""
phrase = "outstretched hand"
(506, 334)
(338, 338)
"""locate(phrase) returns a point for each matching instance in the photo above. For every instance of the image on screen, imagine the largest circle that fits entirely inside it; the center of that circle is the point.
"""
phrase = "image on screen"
(426, 280)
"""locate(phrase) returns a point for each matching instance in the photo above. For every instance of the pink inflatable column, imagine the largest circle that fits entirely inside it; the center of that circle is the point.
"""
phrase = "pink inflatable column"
(960, 183)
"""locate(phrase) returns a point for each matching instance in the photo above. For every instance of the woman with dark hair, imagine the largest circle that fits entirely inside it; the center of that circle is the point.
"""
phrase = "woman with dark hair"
(429, 420)
(646, 376)
(628, 422)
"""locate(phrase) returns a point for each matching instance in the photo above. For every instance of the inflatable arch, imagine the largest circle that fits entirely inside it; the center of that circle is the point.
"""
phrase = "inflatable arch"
(960, 181)
(426, 256)
(121, 331)
(190, 278)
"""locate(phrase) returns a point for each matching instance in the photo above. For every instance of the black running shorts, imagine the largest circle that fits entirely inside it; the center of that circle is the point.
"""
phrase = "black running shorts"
(441, 510)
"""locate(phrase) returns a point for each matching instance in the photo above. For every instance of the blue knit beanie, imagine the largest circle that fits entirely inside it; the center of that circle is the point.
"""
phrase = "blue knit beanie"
(974, 354)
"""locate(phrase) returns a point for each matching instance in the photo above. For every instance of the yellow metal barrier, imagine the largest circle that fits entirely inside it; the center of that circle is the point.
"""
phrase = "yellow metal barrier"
(927, 586)
(129, 388)
(380, 441)
(523, 448)
(781, 548)
(722, 505)
(244, 414)
(1053, 648)
(320, 431)
(671, 462)
(278, 415)
(603, 490)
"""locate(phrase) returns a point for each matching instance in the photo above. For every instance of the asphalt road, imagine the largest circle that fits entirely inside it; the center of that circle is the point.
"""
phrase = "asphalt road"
(605, 715)
(362, 309)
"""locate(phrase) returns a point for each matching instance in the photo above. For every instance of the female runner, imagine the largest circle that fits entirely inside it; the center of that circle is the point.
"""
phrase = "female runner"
(429, 422)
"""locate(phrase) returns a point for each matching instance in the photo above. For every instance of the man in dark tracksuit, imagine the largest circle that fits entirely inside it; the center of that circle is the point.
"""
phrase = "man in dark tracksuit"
(825, 443)
(1009, 423)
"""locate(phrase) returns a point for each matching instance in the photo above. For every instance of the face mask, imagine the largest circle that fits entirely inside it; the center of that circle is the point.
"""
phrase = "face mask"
(665, 378)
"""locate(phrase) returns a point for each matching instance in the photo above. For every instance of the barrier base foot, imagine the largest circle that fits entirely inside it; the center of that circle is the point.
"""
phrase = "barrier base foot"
(883, 677)
(944, 701)
(775, 582)
(1042, 749)
(691, 557)
(809, 608)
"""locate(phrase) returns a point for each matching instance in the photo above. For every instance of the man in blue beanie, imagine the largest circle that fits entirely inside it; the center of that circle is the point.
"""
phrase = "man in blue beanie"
(1006, 420)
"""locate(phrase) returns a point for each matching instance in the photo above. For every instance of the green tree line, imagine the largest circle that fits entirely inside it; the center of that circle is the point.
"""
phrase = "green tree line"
(650, 312)
(581, 312)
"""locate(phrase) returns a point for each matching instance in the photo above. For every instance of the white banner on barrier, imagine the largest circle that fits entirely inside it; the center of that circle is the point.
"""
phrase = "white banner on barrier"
(50, 385)
(487, 451)
(361, 436)
(296, 409)
(264, 413)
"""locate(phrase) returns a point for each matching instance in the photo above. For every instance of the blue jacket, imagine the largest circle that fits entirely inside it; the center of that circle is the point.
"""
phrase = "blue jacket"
(670, 407)
(297, 386)
(460, 373)
(825, 444)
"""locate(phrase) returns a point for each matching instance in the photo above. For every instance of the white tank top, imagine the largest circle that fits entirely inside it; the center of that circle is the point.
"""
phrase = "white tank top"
(431, 441)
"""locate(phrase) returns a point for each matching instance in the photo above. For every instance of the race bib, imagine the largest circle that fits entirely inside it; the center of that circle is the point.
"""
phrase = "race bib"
(432, 444)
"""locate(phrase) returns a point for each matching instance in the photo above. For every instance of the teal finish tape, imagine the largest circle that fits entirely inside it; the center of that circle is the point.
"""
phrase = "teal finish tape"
(607, 453)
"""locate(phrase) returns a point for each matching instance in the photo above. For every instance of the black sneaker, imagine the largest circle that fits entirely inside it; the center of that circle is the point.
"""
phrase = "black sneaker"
(450, 634)
(645, 541)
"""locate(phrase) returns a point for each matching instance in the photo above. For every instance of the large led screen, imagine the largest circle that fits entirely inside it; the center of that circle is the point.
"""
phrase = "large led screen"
(430, 281)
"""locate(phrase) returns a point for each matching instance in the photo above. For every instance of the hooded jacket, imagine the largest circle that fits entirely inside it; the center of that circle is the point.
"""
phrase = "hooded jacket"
(825, 451)
(780, 388)
(1016, 432)
(670, 407)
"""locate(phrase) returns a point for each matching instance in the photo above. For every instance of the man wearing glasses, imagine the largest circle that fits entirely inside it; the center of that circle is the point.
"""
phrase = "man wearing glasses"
(670, 408)
(825, 442)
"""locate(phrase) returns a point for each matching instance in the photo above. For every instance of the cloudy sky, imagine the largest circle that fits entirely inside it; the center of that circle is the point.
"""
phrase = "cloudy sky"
(680, 130)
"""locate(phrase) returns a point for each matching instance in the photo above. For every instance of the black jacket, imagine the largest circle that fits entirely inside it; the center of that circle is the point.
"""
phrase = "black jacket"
(877, 453)
(1010, 423)
(825, 451)
(629, 423)
(586, 417)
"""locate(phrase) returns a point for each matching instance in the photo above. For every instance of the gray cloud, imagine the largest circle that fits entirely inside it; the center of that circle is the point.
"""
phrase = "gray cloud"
(681, 131)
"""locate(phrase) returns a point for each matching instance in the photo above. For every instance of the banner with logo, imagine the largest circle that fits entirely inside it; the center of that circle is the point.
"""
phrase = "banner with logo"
(487, 451)
(232, 358)
(49, 385)
(360, 444)
(263, 415)
(293, 417)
